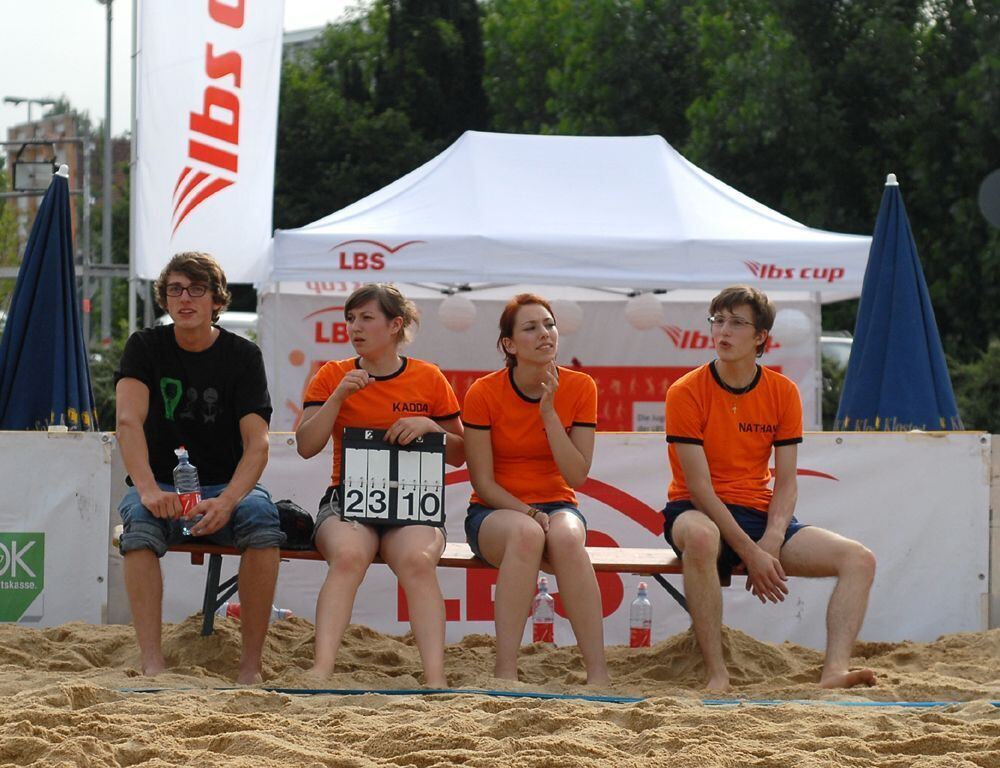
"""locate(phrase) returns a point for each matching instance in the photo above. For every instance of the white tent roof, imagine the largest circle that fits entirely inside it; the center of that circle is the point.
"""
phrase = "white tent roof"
(566, 210)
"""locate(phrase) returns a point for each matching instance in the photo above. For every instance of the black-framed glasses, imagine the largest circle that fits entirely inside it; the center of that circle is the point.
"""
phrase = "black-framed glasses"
(736, 323)
(195, 290)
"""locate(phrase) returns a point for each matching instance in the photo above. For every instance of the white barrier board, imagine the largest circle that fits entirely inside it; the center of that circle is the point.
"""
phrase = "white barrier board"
(920, 502)
(54, 526)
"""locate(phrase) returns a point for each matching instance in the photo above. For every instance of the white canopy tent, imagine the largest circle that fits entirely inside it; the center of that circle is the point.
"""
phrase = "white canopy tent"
(625, 212)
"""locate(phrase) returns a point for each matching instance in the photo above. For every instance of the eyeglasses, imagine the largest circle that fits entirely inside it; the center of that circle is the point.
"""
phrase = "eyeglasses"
(195, 290)
(736, 323)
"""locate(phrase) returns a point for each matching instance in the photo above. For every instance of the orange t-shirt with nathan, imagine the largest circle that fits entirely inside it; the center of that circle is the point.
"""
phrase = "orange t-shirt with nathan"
(418, 388)
(522, 459)
(736, 431)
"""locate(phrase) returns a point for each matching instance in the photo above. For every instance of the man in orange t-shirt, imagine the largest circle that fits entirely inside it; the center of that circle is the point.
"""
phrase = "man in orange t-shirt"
(722, 421)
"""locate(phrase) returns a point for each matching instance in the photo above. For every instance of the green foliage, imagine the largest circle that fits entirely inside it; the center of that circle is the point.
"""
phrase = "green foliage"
(595, 68)
(432, 69)
(977, 389)
(833, 385)
(802, 105)
(9, 256)
(102, 378)
(333, 150)
(382, 93)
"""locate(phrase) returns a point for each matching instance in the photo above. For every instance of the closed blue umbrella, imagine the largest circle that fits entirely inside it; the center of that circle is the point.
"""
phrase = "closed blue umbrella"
(44, 376)
(897, 378)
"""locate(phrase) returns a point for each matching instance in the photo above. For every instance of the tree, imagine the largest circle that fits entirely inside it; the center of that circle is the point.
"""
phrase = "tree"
(606, 67)
(333, 150)
(627, 69)
(432, 69)
(977, 389)
(9, 256)
(957, 145)
(523, 49)
(381, 94)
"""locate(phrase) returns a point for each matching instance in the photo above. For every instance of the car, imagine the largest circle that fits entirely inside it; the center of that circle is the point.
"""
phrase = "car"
(241, 323)
(836, 346)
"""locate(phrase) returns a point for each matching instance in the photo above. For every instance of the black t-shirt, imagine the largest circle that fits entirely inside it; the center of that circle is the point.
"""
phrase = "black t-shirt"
(196, 399)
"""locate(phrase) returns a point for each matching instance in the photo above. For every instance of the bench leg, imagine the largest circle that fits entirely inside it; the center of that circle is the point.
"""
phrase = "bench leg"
(215, 593)
(725, 580)
(675, 593)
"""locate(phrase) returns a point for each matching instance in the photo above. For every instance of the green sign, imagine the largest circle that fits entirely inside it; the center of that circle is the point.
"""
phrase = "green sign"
(22, 572)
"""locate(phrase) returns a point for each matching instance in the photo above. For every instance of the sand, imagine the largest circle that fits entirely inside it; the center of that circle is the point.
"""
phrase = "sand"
(68, 699)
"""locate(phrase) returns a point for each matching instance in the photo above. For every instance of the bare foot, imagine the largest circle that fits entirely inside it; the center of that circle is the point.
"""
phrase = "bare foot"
(718, 683)
(505, 673)
(848, 679)
(153, 667)
(249, 677)
(436, 684)
(318, 673)
(249, 674)
(602, 678)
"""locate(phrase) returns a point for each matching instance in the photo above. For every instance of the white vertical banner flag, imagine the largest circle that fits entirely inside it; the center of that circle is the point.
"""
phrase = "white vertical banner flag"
(208, 74)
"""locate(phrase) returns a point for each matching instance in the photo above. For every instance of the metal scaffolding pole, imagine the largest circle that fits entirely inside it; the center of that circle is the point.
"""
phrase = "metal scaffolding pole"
(107, 174)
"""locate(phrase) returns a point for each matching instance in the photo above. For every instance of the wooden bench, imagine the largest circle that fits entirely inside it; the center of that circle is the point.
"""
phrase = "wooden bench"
(646, 562)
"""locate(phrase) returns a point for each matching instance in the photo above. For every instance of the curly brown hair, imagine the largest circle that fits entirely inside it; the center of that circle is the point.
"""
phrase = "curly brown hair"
(198, 267)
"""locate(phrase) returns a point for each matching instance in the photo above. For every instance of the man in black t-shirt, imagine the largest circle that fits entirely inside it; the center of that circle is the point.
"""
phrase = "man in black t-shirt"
(195, 385)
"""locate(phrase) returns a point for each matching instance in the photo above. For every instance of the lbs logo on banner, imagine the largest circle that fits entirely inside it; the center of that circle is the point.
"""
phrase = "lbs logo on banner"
(22, 572)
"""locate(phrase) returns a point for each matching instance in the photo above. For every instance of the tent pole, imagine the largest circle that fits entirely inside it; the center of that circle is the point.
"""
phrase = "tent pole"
(133, 164)
(818, 375)
(275, 370)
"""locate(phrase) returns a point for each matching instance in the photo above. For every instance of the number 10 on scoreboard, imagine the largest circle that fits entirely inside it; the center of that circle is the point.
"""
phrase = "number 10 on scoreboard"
(388, 484)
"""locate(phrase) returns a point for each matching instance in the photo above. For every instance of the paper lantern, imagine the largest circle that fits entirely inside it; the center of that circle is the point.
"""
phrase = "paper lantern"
(457, 313)
(644, 311)
(792, 326)
(569, 315)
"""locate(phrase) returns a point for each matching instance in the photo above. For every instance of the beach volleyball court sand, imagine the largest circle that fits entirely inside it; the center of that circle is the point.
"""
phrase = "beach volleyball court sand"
(69, 699)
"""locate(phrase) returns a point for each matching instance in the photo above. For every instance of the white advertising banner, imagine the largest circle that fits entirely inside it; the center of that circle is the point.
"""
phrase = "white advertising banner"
(633, 350)
(54, 534)
(207, 80)
(920, 502)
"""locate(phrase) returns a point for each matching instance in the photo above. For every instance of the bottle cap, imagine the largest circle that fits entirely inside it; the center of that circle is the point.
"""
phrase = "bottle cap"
(543, 582)
(642, 585)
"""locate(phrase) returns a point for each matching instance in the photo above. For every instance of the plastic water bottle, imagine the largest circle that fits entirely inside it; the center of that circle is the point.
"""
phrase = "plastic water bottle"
(543, 614)
(188, 487)
(640, 620)
(231, 610)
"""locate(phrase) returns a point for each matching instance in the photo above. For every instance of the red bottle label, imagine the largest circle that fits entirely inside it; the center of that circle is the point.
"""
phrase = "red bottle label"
(188, 502)
(640, 638)
(542, 633)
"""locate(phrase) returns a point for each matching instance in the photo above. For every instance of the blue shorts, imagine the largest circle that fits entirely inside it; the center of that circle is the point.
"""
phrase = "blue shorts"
(477, 513)
(253, 525)
(752, 521)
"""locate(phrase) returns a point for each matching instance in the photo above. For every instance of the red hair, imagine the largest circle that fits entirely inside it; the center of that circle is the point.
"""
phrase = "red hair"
(508, 317)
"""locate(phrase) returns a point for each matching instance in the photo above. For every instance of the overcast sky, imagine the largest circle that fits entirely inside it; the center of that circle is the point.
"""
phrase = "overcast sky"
(53, 48)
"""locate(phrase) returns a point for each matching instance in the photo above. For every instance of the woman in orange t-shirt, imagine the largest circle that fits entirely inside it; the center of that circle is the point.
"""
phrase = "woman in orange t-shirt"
(529, 441)
(371, 390)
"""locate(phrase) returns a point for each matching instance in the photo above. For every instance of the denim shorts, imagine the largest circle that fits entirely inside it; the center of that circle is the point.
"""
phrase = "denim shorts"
(254, 523)
(752, 521)
(477, 513)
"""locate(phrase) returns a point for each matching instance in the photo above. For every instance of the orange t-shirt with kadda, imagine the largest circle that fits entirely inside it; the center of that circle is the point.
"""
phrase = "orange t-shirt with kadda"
(522, 459)
(736, 431)
(416, 389)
